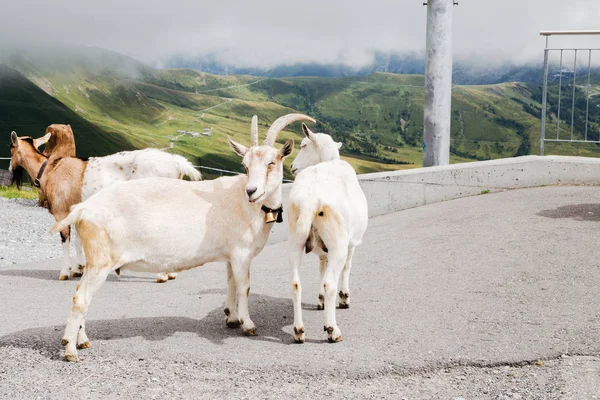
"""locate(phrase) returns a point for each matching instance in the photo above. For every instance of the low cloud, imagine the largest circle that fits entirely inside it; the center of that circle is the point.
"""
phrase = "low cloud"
(265, 33)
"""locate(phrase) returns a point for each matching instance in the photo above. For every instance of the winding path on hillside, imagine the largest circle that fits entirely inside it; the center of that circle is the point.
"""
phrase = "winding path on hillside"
(172, 140)
(227, 101)
(230, 87)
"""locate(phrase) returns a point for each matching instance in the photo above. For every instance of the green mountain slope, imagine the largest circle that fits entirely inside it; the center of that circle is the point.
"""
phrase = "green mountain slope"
(115, 102)
(149, 107)
(28, 110)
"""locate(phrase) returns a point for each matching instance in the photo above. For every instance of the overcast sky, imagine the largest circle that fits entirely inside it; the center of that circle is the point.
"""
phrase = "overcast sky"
(264, 33)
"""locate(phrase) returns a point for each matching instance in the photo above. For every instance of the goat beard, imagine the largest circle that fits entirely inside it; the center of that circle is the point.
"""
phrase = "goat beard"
(17, 177)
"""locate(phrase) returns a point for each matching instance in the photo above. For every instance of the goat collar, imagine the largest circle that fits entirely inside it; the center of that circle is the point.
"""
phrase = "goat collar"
(270, 216)
(36, 182)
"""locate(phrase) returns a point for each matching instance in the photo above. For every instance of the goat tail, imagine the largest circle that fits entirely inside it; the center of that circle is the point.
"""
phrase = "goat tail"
(301, 217)
(327, 220)
(74, 216)
(330, 224)
(185, 168)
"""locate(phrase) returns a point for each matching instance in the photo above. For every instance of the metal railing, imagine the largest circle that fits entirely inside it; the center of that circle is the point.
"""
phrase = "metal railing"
(222, 171)
(215, 171)
(576, 130)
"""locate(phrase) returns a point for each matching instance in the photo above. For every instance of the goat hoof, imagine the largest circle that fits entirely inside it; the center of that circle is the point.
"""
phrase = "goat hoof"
(335, 340)
(84, 345)
(250, 332)
(234, 324)
(299, 335)
(333, 334)
(172, 276)
(71, 357)
(320, 307)
(76, 274)
(161, 280)
(64, 342)
(63, 278)
(344, 299)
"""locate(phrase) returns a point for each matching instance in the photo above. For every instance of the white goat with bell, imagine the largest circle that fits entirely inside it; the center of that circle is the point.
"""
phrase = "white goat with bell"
(328, 215)
(165, 225)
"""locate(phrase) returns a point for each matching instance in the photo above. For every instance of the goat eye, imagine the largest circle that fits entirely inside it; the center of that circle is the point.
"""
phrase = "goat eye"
(271, 163)
(303, 146)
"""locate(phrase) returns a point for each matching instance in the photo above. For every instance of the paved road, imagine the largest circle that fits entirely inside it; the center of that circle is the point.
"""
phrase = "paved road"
(494, 296)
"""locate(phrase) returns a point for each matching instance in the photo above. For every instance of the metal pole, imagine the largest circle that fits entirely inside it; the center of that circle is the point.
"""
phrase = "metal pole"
(574, 85)
(587, 97)
(559, 92)
(544, 93)
(438, 83)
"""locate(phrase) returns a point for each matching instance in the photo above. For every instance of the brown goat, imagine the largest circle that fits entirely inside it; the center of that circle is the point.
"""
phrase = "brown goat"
(60, 142)
(61, 181)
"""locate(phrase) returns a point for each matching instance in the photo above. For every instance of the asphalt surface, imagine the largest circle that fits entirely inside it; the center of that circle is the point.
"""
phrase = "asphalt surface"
(494, 296)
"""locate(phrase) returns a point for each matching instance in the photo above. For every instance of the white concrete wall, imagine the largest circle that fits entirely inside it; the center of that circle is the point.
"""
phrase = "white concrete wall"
(389, 192)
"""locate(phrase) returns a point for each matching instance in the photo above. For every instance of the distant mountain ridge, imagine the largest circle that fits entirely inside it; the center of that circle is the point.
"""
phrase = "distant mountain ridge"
(464, 73)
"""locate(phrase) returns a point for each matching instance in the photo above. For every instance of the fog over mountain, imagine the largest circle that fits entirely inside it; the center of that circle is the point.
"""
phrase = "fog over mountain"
(271, 34)
(464, 72)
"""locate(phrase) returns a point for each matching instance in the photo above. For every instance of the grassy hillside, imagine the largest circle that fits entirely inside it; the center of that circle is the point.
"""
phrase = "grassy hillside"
(114, 102)
(149, 107)
(28, 110)
(382, 115)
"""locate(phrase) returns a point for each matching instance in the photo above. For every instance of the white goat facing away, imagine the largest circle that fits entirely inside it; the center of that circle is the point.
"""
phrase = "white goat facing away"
(328, 215)
(164, 225)
(66, 181)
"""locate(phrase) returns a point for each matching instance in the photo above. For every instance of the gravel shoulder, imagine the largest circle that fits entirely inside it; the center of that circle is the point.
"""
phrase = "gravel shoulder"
(488, 297)
(24, 233)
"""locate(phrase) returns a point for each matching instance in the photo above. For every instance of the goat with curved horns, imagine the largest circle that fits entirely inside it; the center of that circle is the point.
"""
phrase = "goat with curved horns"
(191, 223)
(328, 215)
(66, 180)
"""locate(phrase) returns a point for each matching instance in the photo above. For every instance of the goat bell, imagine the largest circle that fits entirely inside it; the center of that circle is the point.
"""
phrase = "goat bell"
(270, 217)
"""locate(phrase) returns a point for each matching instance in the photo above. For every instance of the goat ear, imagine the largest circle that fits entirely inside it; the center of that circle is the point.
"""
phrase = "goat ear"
(239, 149)
(286, 150)
(307, 132)
(43, 140)
(339, 145)
(14, 139)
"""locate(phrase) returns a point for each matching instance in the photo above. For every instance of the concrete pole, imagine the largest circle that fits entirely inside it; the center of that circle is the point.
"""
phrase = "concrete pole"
(438, 83)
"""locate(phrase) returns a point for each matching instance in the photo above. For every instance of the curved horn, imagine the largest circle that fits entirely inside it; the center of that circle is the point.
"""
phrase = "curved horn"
(254, 131)
(43, 140)
(281, 123)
